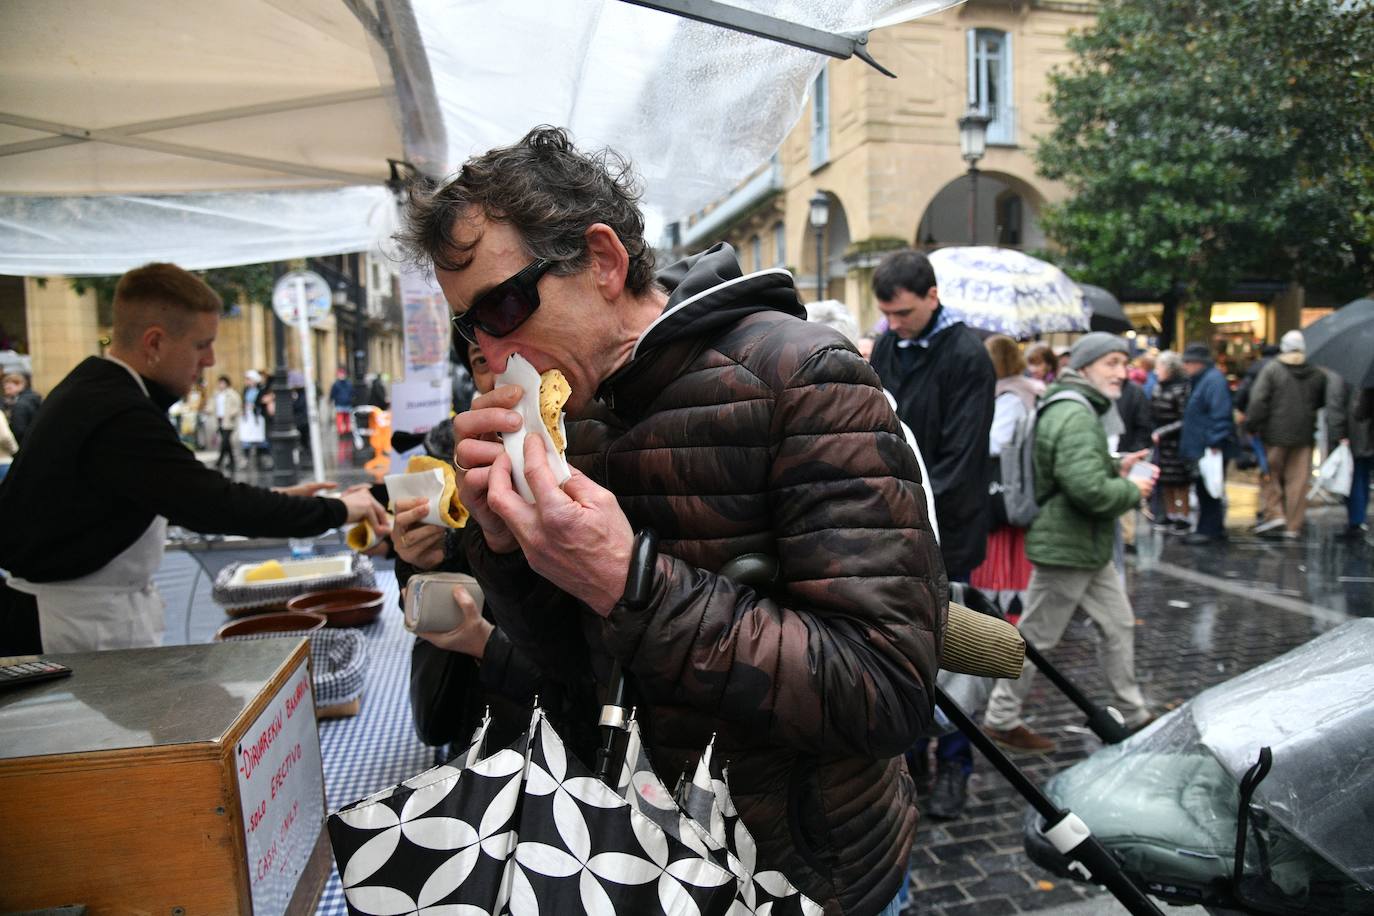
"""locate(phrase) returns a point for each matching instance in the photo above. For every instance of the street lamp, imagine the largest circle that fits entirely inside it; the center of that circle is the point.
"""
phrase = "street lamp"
(973, 135)
(820, 215)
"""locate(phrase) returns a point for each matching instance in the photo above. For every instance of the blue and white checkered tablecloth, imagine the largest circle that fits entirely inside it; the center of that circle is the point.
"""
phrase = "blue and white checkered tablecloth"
(376, 748)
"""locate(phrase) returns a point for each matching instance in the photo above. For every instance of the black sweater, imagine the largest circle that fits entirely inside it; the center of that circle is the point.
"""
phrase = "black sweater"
(945, 394)
(101, 461)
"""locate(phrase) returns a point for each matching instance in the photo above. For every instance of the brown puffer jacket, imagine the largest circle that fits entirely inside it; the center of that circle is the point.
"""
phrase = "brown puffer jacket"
(737, 428)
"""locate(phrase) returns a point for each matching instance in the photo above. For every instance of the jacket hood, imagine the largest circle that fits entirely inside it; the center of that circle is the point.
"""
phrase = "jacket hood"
(1072, 380)
(709, 290)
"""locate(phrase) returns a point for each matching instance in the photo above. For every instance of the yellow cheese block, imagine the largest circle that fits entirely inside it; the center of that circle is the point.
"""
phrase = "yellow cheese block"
(264, 572)
(451, 510)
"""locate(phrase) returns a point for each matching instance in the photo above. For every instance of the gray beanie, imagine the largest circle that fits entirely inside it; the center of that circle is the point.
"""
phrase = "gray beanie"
(1091, 347)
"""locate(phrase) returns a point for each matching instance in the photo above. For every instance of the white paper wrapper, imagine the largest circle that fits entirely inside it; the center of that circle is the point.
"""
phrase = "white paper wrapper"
(520, 372)
(420, 485)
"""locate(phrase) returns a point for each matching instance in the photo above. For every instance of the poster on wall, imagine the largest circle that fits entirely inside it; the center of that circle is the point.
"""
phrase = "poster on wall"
(427, 327)
(281, 793)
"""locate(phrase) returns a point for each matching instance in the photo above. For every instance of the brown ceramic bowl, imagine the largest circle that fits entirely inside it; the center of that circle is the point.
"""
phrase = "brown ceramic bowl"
(342, 607)
(271, 623)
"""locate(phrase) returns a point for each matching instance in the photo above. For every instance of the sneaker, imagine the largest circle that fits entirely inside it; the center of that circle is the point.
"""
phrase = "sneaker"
(1197, 539)
(1352, 533)
(1269, 525)
(1021, 738)
(950, 792)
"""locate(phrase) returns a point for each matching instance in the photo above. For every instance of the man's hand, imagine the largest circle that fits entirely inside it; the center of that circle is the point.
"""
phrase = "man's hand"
(574, 536)
(1146, 487)
(361, 506)
(420, 545)
(1128, 461)
(310, 488)
(477, 444)
(471, 635)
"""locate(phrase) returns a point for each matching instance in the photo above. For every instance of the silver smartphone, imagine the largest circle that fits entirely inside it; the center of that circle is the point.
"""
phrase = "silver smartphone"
(430, 606)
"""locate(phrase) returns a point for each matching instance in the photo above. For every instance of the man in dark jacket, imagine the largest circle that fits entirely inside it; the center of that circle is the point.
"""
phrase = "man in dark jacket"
(1207, 428)
(1350, 422)
(945, 386)
(705, 410)
(944, 383)
(89, 497)
(1283, 413)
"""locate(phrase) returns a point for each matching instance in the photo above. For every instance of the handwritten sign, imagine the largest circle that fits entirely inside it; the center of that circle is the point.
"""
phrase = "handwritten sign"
(281, 793)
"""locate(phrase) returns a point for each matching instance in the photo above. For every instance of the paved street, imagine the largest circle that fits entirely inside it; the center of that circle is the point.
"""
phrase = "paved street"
(1204, 615)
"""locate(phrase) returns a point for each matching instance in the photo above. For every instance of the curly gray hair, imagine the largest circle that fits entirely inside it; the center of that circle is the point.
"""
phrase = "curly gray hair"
(545, 188)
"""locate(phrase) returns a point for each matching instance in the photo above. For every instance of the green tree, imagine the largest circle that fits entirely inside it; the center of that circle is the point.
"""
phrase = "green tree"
(1206, 140)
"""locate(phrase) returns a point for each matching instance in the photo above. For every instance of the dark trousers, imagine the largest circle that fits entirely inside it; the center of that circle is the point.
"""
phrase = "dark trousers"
(226, 448)
(1358, 505)
(1211, 514)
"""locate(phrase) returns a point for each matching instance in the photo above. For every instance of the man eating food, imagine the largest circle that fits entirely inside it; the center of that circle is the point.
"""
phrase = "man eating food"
(705, 420)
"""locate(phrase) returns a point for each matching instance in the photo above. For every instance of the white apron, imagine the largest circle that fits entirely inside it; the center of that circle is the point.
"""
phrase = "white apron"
(115, 607)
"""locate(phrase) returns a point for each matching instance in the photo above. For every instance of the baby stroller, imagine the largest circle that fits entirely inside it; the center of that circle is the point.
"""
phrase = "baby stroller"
(1256, 796)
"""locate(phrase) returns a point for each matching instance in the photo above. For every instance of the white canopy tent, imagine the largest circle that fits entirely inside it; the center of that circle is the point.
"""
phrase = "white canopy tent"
(260, 130)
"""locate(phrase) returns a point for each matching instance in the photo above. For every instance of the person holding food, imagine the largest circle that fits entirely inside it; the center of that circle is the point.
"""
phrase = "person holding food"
(102, 473)
(705, 420)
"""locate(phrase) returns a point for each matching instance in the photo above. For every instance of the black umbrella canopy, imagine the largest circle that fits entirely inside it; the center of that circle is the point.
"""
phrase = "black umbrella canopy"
(1344, 342)
(1107, 314)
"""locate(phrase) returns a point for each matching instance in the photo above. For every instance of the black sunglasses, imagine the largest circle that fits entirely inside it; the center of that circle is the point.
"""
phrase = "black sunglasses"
(505, 306)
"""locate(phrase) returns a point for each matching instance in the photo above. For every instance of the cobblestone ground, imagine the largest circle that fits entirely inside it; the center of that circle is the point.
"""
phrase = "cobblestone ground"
(1204, 615)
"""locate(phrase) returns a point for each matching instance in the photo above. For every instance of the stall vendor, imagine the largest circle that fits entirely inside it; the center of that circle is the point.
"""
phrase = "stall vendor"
(87, 501)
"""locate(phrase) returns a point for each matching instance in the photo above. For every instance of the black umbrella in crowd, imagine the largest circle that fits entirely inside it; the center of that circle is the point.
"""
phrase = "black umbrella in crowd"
(1107, 314)
(1344, 342)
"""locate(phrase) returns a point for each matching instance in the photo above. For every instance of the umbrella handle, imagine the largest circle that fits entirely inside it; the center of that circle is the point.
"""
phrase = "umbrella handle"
(615, 721)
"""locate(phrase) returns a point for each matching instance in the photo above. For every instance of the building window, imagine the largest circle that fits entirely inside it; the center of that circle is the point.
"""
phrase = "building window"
(820, 119)
(756, 247)
(990, 82)
(1009, 210)
(779, 245)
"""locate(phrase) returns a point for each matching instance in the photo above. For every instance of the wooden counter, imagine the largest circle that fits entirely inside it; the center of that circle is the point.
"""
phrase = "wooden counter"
(181, 781)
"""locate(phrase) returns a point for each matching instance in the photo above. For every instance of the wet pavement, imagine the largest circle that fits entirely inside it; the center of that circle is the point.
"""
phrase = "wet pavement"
(1204, 615)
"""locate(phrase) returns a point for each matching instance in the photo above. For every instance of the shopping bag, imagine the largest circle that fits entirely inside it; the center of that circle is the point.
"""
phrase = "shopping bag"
(1210, 467)
(252, 429)
(1336, 471)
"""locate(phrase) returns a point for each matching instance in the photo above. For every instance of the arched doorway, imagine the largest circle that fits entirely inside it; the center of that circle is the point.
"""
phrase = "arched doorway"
(1008, 214)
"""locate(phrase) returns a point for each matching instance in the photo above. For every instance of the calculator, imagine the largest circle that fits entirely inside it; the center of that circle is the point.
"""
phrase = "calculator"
(29, 672)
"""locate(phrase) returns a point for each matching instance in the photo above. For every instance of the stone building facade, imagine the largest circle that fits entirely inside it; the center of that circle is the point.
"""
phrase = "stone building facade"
(886, 151)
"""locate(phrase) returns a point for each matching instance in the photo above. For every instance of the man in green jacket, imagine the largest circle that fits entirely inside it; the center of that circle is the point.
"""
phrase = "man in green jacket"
(1082, 490)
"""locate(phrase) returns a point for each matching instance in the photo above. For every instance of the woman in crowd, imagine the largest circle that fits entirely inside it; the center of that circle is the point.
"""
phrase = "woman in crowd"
(1175, 474)
(1005, 572)
(1040, 363)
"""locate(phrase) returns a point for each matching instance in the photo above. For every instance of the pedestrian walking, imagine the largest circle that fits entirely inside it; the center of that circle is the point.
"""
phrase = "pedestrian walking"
(1005, 571)
(1082, 490)
(21, 404)
(341, 396)
(1207, 430)
(227, 406)
(1350, 422)
(944, 384)
(1175, 474)
(1283, 413)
